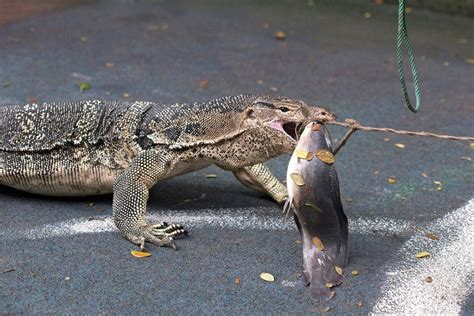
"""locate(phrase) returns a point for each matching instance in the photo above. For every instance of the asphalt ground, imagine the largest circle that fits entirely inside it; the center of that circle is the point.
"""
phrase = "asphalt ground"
(339, 55)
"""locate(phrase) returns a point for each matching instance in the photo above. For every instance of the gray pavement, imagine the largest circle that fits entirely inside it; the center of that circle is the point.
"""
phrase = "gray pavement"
(163, 51)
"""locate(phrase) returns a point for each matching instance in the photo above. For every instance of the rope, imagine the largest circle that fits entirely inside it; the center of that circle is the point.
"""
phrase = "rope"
(402, 37)
(354, 125)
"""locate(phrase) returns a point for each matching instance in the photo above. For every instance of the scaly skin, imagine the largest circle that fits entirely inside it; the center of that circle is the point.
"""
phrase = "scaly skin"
(97, 147)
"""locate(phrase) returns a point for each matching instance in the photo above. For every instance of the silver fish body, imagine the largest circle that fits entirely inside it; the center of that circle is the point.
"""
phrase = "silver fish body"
(314, 198)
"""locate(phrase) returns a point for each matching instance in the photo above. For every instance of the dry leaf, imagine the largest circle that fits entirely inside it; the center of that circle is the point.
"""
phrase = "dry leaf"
(424, 175)
(325, 156)
(338, 270)
(203, 84)
(431, 236)
(316, 127)
(267, 277)
(355, 272)
(297, 178)
(274, 89)
(359, 304)
(280, 35)
(367, 15)
(471, 145)
(399, 145)
(211, 176)
(237, 280)
(317, 208)
(428, 279)
(329, 285)
(307, 155)
(126, 95)
(437, 182)
(466, 158)
(422, 254)
(109, 65)
(470, 61)
(392, 180)
(439, 189)
(140, 254)
(318, 243)
(260, 81)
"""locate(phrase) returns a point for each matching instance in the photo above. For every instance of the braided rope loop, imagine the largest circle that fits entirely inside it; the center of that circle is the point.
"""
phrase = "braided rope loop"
(402, 38)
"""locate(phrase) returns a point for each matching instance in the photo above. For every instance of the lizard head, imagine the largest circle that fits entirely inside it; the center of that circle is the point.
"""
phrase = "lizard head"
(285, 119)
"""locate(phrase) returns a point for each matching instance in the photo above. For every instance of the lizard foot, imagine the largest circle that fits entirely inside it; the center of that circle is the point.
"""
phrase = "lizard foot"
(161, 234)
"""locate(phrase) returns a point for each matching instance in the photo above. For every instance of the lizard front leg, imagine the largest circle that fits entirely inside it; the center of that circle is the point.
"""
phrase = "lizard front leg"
(260, 178)
(130, 199)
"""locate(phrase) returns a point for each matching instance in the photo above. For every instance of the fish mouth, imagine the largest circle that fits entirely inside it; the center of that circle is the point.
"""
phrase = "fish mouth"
(292, 130)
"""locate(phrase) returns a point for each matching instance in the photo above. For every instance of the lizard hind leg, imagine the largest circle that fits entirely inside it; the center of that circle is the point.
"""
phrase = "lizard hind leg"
(130, 200)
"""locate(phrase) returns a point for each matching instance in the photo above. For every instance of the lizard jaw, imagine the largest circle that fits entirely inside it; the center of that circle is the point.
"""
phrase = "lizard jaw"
(292, 130)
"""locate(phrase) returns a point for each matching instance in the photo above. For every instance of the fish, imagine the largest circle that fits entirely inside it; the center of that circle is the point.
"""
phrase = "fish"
(315, 201)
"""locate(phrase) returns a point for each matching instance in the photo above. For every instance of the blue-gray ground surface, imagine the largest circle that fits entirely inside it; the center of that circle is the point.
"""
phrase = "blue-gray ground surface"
(180, 51)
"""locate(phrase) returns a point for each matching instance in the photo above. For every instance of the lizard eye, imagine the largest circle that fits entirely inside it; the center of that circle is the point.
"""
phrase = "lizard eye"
(284, 109)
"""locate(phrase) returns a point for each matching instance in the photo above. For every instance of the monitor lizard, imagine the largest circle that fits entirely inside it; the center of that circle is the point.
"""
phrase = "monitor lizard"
(98, 147)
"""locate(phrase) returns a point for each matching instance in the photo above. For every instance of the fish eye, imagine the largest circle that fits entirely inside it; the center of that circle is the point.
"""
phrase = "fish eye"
(284, 109)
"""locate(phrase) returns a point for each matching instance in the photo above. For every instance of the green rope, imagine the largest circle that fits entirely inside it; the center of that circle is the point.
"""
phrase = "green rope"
(402, 37)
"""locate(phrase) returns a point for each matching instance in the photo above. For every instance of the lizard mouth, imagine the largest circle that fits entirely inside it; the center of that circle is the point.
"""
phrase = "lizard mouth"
(292, 130)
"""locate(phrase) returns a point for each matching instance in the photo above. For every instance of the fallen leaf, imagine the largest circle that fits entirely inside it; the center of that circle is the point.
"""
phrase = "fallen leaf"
(355, 272)
(470, 61)
(359, 304)
(318, 243)
(260, 81)
(109, 65)
(386, 139)
(338, 270)
(6, 84)
(349, 200)
(126, 95)
(399, 145)
(307, 155)
(329, 285)
(466, 158)
(408, 10)
(83, 39)
(424, 175)
(281, 36)
(325, 156)
(140, 254)
(203, 84)
(297, 178)
(462, 40)
(392, 180)
(428, 279)
(317, 208)
(422, 254)
(316, 127)
(83, 86)
(273, 88)
(211, 176)
(471, 145)
(367, 15)
(439, 189)
(237, 280)
(431, 236)
(267, 277)
(298, 241)
(32, 100)
(437, 182)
